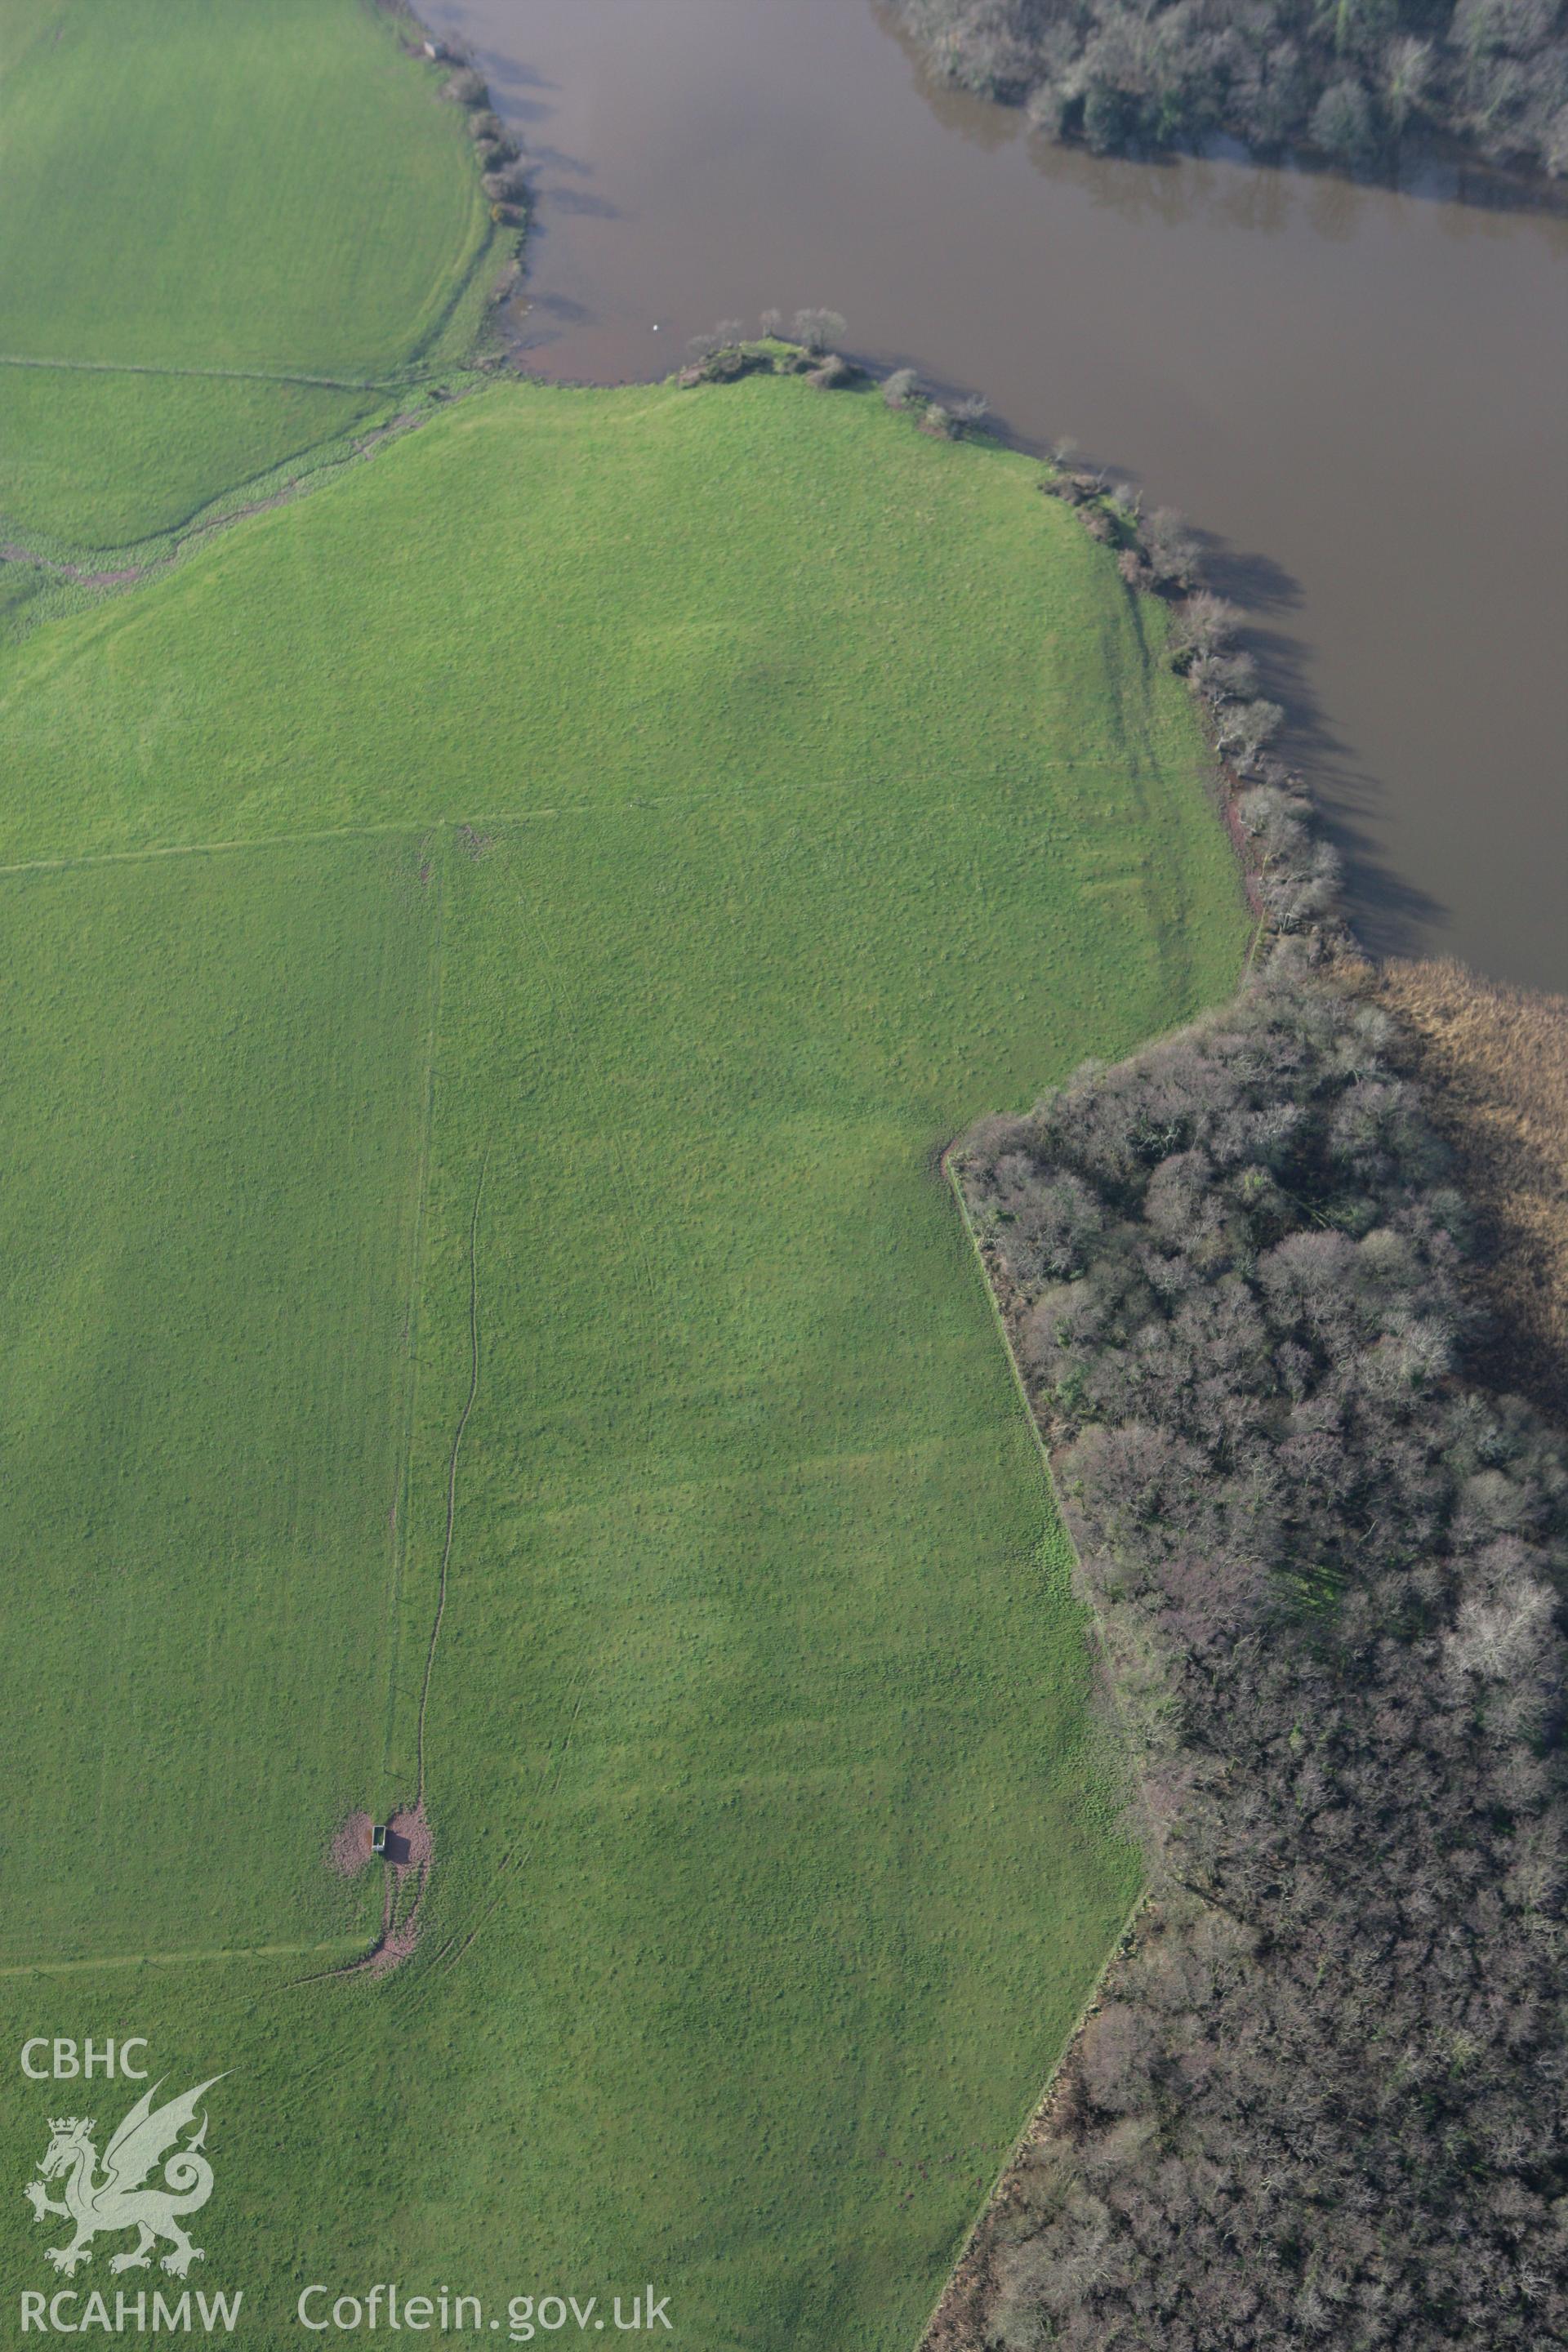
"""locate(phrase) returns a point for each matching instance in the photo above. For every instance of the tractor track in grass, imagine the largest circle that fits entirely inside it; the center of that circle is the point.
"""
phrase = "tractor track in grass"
(458, 1435)
(400, 1921)
(111, 569)
(402, 1513)
(515, 820)
(452, 1950)
(88, 857)
(589, 1071)
(386, 1959)
(218, 375)
(175, 1959)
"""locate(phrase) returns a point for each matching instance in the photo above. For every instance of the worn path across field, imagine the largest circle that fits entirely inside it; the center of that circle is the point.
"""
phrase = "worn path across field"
(228, 232)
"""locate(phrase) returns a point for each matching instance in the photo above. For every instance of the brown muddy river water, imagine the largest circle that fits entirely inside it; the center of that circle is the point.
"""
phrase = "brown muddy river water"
(1359, 394)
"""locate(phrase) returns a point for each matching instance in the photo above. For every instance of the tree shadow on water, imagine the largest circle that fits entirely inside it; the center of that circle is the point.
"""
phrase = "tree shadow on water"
(513, 87)
(1390, 914)
(582, 203)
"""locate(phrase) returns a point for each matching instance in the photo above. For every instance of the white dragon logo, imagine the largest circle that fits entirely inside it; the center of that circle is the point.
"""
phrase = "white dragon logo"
(119, 2200)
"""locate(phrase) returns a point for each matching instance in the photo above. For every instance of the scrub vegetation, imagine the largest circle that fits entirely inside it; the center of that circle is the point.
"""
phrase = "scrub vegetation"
(729, 793)
(1354, 80)
(230, 233)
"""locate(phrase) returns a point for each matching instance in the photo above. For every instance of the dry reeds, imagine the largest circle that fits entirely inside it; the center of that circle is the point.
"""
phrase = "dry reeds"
(1494, 1063)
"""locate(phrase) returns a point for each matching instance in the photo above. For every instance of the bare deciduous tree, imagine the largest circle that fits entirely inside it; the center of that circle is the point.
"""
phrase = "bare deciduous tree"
(815, 329)
(724, 337)
(1350, 77)
(1244, 728)
(1203, 623)
(1172, 548)
(1407, 66)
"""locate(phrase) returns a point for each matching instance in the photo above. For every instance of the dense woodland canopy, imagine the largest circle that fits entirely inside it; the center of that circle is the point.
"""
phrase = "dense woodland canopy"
(1325, 2099)
(1350, 79)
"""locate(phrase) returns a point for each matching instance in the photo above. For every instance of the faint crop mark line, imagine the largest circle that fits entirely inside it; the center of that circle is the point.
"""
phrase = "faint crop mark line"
(730, 796)
(220, 374)
(452, 1466)
(212, 848)
(521, 1854)
(402, 1506)
(416, 1988)
(173, 1959)
(587, 1068)
(360, 1965)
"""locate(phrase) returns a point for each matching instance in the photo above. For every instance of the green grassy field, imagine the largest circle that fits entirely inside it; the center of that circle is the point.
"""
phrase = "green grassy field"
(215, 1101)
(785, 789)
(188, 189)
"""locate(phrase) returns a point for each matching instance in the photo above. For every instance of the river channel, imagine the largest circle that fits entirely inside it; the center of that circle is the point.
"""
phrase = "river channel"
(1359, 393)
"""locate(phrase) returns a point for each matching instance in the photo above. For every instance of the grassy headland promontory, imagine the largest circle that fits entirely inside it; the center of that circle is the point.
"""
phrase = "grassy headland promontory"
(680, 811)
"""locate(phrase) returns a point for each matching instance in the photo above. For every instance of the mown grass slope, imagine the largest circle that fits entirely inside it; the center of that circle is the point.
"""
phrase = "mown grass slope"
(269, 188)
(790, 788)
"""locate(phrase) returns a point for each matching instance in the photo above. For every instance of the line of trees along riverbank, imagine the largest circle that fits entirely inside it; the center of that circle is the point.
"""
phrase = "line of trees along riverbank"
(1351, 80)
(1322, 2097)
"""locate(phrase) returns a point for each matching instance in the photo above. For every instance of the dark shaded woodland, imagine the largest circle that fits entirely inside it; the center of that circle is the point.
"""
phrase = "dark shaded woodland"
(1350, 79)
(1322, 2101)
